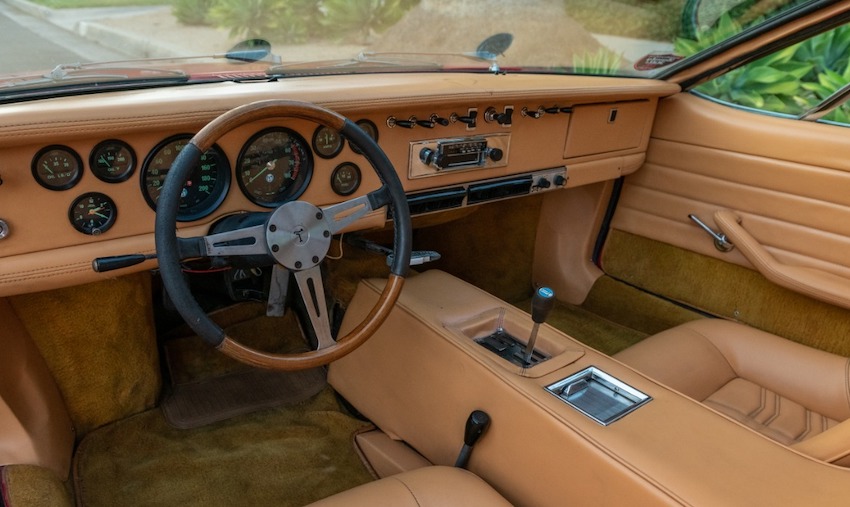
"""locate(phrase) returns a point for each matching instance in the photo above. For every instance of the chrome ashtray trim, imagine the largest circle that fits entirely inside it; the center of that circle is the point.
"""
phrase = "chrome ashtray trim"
(624, 397)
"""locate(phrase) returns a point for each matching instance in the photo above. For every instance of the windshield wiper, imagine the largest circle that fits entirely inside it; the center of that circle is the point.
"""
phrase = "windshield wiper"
(487, 51)
(78, 75)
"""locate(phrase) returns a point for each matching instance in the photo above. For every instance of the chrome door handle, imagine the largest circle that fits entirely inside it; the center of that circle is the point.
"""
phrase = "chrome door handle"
(720, 241)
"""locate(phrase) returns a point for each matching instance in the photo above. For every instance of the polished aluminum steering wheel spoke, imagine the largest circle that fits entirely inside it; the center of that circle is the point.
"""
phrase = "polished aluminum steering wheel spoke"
(313, 293)
(339, 216)
(247, 241)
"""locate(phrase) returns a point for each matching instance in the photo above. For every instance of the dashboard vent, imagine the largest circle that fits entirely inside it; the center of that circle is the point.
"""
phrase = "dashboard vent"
(436, 201)
(486, 191)
(483, 192)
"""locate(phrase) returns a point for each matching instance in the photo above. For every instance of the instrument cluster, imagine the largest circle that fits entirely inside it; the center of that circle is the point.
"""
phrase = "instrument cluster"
(274, 166)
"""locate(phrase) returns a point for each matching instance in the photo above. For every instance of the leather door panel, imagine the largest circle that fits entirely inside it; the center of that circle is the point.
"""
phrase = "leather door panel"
(781, 184)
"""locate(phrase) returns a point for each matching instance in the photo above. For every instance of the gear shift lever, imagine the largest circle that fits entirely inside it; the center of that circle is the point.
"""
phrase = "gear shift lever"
(541, 305)
(476, 424)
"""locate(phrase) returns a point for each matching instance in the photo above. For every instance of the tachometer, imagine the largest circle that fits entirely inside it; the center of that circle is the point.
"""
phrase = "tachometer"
(274, 167)
(206, 187)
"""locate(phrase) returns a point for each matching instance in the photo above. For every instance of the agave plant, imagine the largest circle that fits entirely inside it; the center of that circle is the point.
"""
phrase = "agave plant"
(363, 17)
(603, 61)
(279, 20)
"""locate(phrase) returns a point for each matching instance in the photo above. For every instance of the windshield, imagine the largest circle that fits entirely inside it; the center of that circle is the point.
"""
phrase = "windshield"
(54, 43)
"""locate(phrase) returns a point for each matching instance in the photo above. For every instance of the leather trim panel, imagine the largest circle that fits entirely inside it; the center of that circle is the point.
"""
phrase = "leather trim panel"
(780, 176)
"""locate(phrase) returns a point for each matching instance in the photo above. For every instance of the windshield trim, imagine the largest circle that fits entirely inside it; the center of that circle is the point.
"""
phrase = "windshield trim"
(12, 95)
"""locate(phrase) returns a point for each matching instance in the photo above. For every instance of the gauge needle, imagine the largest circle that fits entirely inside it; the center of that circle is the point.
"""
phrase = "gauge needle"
(96, 211)
(47, 168)
(269, 165)
(102, 160)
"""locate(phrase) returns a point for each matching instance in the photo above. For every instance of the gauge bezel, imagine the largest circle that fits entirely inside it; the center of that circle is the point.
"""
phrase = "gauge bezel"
(337, 148)
(358, 180)
(126, 174)
(371, 130)
(78, 174)
(213, 200)
(294, 190)
(113, 216)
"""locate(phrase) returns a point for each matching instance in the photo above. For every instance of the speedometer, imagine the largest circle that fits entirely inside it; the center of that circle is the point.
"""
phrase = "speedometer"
(206, 187)
(274, 167)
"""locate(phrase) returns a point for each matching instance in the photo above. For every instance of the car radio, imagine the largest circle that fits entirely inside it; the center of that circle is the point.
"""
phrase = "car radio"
(432, 157)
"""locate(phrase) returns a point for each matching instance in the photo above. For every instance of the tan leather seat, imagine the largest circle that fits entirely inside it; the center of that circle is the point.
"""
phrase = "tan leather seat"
(424, 487)
(794, 394)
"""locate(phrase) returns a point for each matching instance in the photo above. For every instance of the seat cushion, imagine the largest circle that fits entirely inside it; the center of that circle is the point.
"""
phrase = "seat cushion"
(768, 412)
(424, 487)
(784, 390)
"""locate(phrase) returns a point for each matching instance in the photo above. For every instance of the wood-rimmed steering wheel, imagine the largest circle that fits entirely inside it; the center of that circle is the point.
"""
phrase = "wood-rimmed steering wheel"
(296, 235)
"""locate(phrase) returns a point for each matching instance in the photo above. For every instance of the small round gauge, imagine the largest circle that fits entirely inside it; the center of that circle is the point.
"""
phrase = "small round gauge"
(206, 187)
(57, 167)
(93, 213)
(275, 166)
(371, 130)
(112, 161)
(345, 179)
(327, 142)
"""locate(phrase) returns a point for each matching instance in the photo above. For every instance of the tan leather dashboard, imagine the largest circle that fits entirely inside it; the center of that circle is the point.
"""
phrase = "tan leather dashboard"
(597, 128)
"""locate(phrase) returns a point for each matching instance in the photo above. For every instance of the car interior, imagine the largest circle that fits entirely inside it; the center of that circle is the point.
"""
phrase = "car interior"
(482, 289)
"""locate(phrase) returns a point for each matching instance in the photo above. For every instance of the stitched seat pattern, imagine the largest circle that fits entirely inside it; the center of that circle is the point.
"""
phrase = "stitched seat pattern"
(767, 412)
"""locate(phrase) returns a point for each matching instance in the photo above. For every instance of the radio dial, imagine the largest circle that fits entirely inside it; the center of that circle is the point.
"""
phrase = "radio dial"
(495, 154)
(427, 156)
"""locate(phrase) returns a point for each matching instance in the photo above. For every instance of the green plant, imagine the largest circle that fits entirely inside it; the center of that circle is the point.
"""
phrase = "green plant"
(773, 83)
(603, 61)
(791, 81)
(192, 12)
(362, 18)
(288, 21)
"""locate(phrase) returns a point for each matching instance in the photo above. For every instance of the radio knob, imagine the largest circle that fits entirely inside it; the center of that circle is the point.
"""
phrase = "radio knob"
(495, 154)
(560, 180)
(427, 156)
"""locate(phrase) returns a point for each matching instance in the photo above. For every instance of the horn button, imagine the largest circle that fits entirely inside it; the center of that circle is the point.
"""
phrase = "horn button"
(298, 235)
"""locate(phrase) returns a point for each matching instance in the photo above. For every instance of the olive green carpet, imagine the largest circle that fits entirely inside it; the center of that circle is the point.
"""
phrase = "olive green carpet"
(99, 342)
(33, 486)
(287, 456)
(726, 290)
(280, 447)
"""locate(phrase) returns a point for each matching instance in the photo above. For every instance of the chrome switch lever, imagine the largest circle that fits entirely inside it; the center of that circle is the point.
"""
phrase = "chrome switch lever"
(541, 305)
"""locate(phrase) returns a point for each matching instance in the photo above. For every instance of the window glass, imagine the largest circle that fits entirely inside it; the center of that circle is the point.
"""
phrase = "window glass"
(792, 81)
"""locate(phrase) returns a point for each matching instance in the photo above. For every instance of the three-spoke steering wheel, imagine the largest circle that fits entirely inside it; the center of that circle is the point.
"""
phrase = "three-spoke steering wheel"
(296, 235)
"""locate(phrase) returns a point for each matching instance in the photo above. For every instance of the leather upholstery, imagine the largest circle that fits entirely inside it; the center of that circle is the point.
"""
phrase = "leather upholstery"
(437, 486)
(784, 390)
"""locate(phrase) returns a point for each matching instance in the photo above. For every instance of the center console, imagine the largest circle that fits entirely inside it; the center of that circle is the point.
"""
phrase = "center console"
(577, 428)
